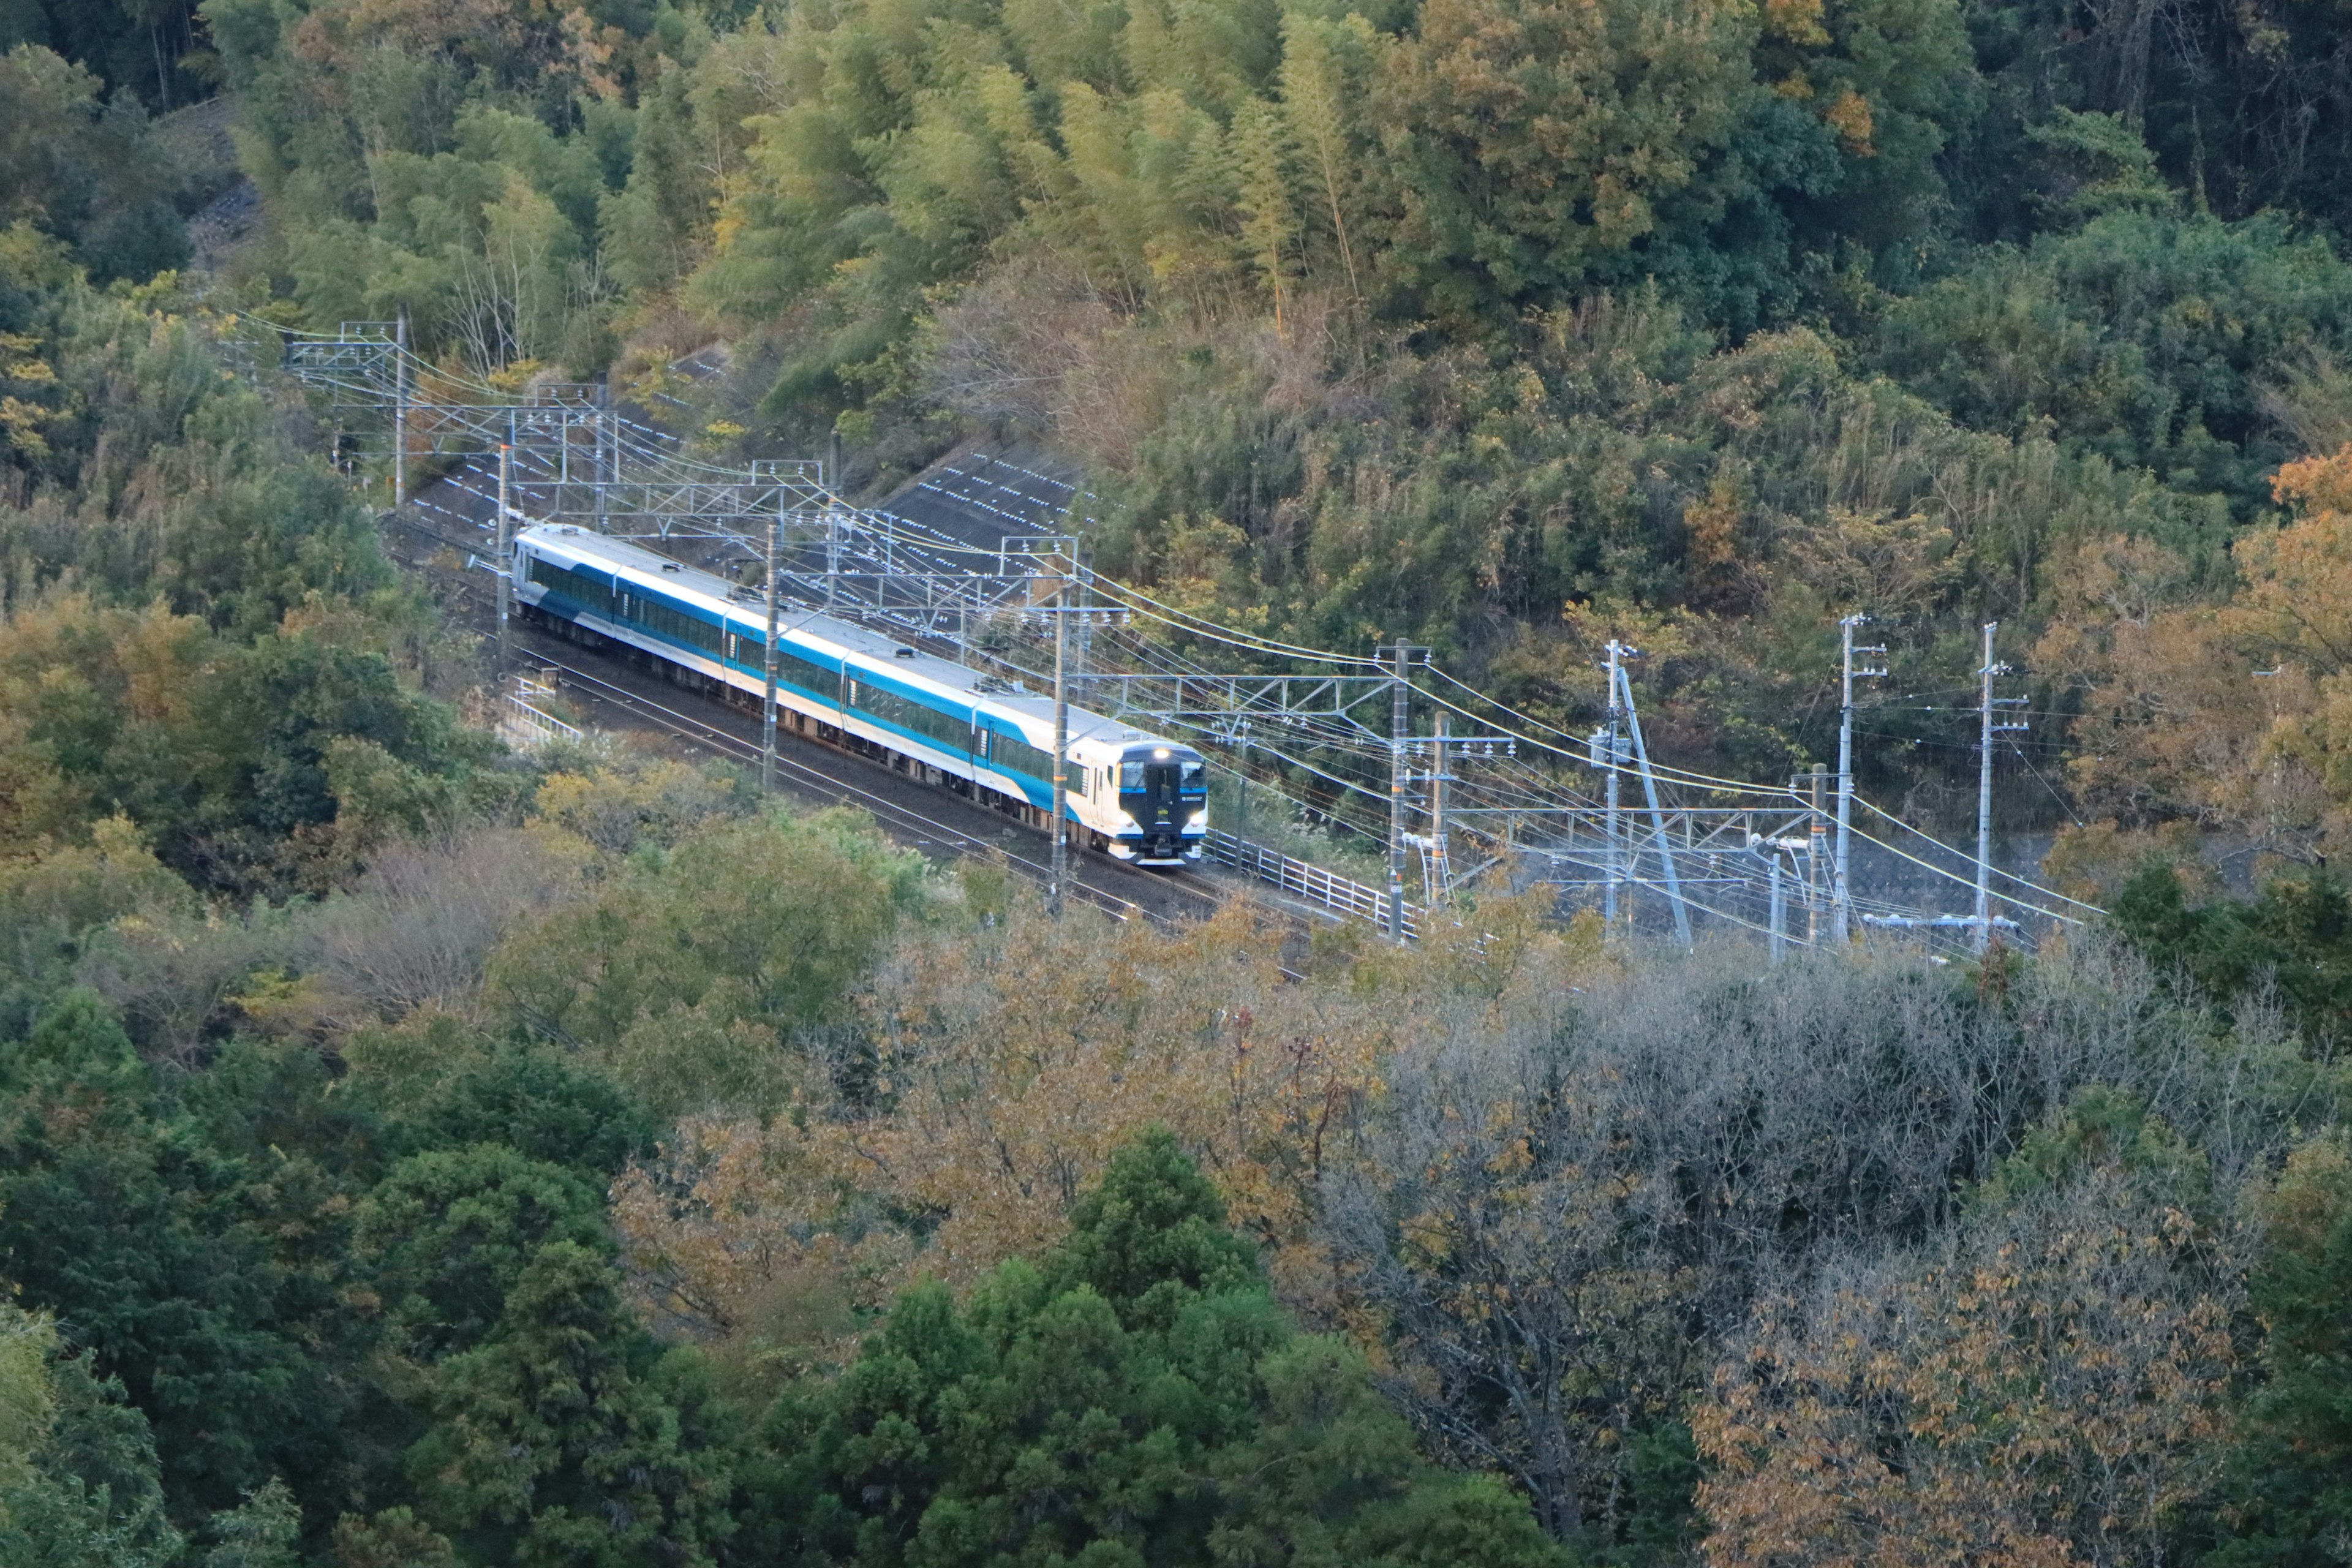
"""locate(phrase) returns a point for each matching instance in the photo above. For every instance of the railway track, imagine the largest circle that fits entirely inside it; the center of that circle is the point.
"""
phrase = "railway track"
(1163, 899)
(915, 814)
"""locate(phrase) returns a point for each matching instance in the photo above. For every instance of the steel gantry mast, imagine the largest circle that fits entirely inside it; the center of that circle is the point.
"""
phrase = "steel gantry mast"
(1399, 734)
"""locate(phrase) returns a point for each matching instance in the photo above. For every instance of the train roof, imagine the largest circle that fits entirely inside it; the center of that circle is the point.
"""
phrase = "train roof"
(720, 596)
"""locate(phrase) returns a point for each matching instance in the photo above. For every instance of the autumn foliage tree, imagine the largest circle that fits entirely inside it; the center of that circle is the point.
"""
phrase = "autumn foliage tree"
(2236, 709)
(2047, 1388)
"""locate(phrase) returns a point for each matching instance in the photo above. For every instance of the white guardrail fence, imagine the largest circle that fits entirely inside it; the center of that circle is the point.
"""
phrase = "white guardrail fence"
(524, 725)
(1312, 884)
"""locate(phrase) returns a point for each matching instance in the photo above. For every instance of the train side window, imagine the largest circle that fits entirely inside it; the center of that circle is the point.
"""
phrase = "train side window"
(949, 730)
(1013, 754)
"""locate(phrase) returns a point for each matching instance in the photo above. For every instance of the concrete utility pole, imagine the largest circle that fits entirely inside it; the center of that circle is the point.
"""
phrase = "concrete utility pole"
(505, 542)
(832, 551)
(1842, 894)
(400, 409)
(606, 437)
(1985, 706)
(1400, 693)
(1241, 786)
(1061, 753)
(768, 659)
(1815, 841)
(1441, 864)
(1778, 919)
(1612, 854)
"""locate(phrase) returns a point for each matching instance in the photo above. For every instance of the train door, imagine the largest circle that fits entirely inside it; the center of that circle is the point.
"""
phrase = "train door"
(1148, 789)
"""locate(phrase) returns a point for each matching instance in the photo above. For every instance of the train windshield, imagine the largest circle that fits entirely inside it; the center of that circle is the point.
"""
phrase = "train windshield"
(1189, 775)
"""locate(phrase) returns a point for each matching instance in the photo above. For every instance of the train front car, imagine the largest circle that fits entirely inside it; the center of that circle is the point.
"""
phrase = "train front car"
(1144, 798)
(1163, 790)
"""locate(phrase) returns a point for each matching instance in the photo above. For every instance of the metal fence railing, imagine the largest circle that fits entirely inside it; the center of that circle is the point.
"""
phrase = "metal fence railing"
(525, 725)
(1312, 883)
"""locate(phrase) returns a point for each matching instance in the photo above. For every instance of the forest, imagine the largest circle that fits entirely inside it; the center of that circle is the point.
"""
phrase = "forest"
(416, 1152)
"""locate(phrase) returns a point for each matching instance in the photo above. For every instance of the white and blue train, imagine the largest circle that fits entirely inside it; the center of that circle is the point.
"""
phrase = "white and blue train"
(1137, 797)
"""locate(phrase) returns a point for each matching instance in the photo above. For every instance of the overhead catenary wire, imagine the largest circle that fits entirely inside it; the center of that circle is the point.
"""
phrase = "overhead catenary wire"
(1164, 641)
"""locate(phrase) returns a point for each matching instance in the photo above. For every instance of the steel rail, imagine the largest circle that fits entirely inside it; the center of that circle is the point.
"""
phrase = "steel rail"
(741, 749)
(883, 809)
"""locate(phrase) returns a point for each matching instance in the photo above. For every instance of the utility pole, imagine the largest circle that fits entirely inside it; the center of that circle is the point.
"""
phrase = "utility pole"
(399, 410)
(832, 550)
(1399, 692)
(1086, 611)
(1814, 841)
(506, 545)
(1061, 753)
(1842, 893)
(1986, 704)
(1241, 785)
(768, 659)
(1441, 864)
(1615, 864)
(606, 467)
(1777, 920)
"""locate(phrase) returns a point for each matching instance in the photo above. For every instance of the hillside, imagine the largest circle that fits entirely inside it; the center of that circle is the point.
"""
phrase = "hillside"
(420, 1151)
(1497, 327)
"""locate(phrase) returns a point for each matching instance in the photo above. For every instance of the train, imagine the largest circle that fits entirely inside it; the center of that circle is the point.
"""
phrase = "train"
(1139, 797)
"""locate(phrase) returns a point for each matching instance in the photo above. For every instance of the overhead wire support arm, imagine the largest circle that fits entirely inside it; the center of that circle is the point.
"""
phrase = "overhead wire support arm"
(1498, 778)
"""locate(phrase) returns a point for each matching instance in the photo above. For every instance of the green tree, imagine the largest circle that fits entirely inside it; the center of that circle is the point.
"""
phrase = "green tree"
(259, 1532)
(686, 975)
(207, 1277)
(447, 1233)
(224, 753)
(89, 173)
(537, 1102)
(54, 902)
(94, 1496)
(2295, 936)
(569, 1437)
(2144, 337)
(2287, 1499)
(1139, 1399)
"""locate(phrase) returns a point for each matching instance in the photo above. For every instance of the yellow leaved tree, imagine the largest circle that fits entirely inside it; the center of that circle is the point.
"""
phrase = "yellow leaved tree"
(2234, 711)
(2047, 1391)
